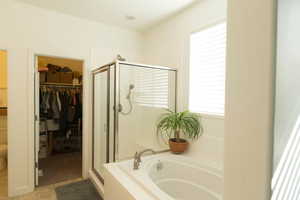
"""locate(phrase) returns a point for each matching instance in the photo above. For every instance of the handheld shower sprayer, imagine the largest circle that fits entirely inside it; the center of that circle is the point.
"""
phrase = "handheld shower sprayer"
(131, 87)
(128, 97)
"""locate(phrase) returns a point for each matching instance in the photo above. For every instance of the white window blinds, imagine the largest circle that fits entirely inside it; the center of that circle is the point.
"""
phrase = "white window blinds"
(207, 70)
(152, 87)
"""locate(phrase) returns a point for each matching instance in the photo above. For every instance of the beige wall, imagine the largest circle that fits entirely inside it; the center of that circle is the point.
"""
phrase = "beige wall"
(26, 31)
(168, 44)
(249, 99)
(3, 78)
(249, 78)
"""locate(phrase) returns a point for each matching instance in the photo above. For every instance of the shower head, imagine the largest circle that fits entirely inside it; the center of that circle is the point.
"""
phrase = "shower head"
(120, 58)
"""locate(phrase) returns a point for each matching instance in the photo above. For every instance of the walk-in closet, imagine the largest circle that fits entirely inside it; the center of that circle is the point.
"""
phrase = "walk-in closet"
(59, 113)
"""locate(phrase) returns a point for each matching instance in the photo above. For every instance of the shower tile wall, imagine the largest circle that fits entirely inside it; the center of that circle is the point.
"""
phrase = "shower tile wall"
(3, 129)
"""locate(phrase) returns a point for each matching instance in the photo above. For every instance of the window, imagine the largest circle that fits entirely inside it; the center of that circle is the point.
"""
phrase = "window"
(207, 70)
(152, 87)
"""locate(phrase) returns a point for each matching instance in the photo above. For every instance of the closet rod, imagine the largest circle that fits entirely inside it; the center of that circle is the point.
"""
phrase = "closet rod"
(60, 85)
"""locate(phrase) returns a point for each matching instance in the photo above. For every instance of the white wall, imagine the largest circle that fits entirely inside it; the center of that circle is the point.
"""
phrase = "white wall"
(168, 44)
(26, 30)
(287, 108)
(249, 99)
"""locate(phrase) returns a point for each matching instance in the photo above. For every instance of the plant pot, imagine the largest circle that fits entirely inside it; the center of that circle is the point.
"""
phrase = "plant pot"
(178, 147)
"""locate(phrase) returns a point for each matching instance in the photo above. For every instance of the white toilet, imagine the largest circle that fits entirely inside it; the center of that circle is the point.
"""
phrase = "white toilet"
(3, 156)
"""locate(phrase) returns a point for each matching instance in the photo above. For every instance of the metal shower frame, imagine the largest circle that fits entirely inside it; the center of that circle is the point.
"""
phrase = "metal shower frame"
(115, 66)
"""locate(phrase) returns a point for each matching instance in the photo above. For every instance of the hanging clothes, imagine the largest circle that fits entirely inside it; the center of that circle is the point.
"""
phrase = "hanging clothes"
(54, 106)
(78, 107)
(60, 107)
(58, 101)
(64, 112)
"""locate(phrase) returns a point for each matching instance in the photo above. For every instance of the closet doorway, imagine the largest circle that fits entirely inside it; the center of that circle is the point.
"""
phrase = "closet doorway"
(58, 114)
(3, 126)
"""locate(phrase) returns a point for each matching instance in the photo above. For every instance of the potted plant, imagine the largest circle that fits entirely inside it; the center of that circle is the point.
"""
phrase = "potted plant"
(174, 124)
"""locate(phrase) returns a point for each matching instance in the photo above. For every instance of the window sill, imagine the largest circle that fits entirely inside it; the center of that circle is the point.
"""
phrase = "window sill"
(209, 115)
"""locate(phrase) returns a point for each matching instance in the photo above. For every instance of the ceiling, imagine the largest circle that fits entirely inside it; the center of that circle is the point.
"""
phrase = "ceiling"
(147, 13)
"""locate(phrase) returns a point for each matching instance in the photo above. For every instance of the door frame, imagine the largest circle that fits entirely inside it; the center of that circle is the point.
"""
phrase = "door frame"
(32, 55)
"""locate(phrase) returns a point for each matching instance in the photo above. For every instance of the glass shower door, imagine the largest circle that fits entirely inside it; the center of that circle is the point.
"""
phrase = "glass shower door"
(145, 93)
(100, 121)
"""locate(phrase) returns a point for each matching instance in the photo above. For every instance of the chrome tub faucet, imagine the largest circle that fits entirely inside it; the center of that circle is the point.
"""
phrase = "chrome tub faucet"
(137, 158)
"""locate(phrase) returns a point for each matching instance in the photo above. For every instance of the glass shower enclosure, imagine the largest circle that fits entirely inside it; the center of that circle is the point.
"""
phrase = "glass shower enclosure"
(128, 100)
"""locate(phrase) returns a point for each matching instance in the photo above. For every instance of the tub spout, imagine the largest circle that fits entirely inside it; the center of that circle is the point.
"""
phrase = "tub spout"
(137, 158)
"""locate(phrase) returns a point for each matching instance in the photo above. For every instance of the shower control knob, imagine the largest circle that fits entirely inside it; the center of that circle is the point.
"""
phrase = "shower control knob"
(120, 108)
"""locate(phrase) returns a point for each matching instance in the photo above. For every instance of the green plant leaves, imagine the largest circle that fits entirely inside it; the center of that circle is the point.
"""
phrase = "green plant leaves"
(185, 122)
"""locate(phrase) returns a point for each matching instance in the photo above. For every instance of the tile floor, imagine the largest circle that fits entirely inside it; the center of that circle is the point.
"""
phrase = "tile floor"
(60, 167)
(41, 193)
(71, 174)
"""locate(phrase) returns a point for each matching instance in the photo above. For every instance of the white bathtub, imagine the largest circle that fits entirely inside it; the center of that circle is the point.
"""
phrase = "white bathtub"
(175, 177)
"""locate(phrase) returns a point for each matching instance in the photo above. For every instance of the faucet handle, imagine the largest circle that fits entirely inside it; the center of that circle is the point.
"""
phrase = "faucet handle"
(137, 157)
(137, 161)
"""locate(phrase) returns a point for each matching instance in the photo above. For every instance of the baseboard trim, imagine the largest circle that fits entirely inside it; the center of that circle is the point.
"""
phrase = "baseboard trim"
(20, 191)
(98, 184)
